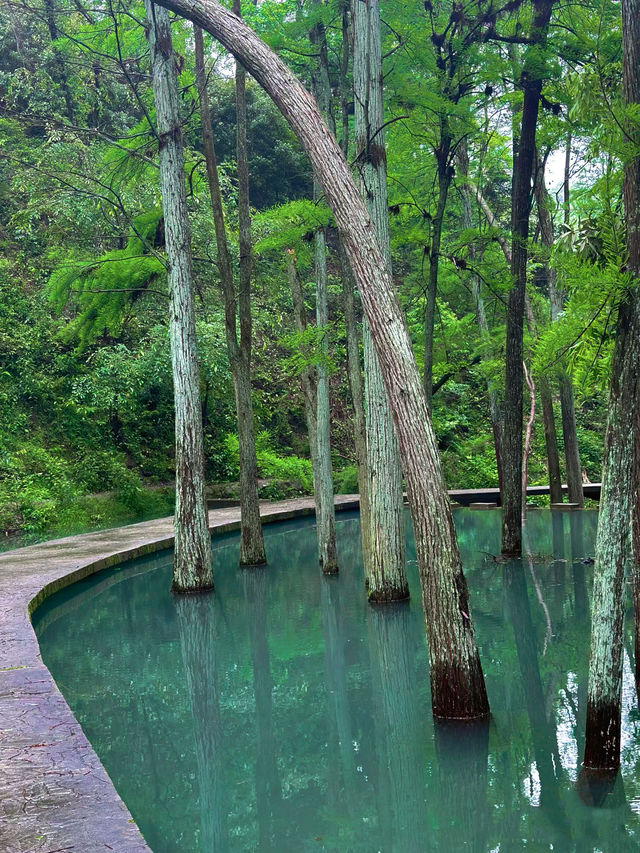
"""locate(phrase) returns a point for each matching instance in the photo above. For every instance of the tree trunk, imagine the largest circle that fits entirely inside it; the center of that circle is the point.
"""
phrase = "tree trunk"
(252, 544)
(556, 302)
(551, 443)
(309, 377)
(445, 175)
(192, 570)
(357, 395)
(323, 481)
(457, 682)
(385, 573)
(252, 551)
(481, 316)
(619, 520)
(531, 83)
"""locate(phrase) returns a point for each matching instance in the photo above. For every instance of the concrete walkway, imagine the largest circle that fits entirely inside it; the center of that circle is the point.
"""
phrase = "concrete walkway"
(55, 794)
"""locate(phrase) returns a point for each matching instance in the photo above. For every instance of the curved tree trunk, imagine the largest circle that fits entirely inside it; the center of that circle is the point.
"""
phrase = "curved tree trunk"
(385, 572)
(458, 688)
(251, 540)
(619, 508)
(192, 571)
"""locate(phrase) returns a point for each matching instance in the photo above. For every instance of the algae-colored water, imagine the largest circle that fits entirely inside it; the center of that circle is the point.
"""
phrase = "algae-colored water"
(284, 714)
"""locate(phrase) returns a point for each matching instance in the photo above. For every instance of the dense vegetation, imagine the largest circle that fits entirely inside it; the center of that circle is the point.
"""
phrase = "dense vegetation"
(85, 375)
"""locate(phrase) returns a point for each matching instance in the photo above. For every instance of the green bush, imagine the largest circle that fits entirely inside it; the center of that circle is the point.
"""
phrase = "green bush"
(345, 482)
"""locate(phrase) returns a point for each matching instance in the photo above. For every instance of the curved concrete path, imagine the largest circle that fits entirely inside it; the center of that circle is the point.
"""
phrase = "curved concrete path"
(55, 794)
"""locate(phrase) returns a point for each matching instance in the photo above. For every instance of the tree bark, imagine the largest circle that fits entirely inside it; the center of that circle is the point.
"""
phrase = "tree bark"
(385, 573)
(252, 550)
(323, 481)
(531, 83)
(618, 538)
(192, 570)
(457, 682)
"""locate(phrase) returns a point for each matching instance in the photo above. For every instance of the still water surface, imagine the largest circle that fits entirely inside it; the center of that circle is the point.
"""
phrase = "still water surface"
(284, 714)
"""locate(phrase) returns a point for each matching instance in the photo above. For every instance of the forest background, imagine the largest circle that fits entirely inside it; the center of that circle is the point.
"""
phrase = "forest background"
(86, 400)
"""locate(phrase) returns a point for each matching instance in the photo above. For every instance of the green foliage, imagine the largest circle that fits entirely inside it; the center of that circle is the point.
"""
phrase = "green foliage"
(291, 469)
(105, 287)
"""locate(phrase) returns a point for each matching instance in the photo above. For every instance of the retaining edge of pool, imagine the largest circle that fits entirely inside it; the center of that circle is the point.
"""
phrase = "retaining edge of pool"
(55, 795)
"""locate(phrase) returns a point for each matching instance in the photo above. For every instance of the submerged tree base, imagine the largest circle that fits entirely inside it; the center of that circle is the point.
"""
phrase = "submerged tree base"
(191, 590)
(388, 594)
(602, 789)
(602, 739)
(458, 692)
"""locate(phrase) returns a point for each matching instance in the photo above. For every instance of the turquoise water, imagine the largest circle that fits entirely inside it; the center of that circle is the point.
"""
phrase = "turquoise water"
(284, 714)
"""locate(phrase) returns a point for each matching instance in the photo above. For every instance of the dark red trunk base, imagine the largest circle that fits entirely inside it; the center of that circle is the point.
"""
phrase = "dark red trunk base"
(330, 570)
(601, 789)
(260, 565)
(459, 693)
(602, 738)
(389, 595)
(197, 590)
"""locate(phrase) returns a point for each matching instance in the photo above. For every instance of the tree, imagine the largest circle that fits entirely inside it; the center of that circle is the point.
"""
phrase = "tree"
(457, 681)
(619, 520)
(251, 541)
(531, 79)
(384, 552)
(192, 570)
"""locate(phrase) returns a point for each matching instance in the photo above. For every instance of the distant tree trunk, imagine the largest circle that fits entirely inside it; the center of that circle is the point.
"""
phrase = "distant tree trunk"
(445, 175)
(50, 15)
(527, 439)
(385, 573)
(354, 371)
(252, 551)
(457, 682)
(481, 316)
(192, 570)
(619, 519)
(323, 481)
(531, 84)
(556, 302)
(354, 367)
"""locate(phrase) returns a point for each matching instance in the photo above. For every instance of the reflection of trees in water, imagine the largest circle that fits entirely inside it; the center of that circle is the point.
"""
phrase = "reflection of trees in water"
(462, 750)
(197, 626)
(543, 735)
(268, 789)
(400, 732)
(336, 673)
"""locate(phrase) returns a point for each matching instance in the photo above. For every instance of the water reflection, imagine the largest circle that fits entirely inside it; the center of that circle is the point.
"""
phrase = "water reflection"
(283, 713)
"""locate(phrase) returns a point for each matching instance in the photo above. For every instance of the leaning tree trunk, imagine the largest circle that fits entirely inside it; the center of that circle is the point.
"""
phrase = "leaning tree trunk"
(385, 572)
(323, 479)
(531, 84)
(619, 508)
(252, 551)
(457, 682)
(192, 570)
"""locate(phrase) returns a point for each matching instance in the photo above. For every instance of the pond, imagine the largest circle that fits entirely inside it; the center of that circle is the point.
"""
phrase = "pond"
(285, 714)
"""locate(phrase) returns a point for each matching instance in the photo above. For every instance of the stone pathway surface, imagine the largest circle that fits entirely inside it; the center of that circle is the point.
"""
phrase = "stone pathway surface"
(55, 794)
